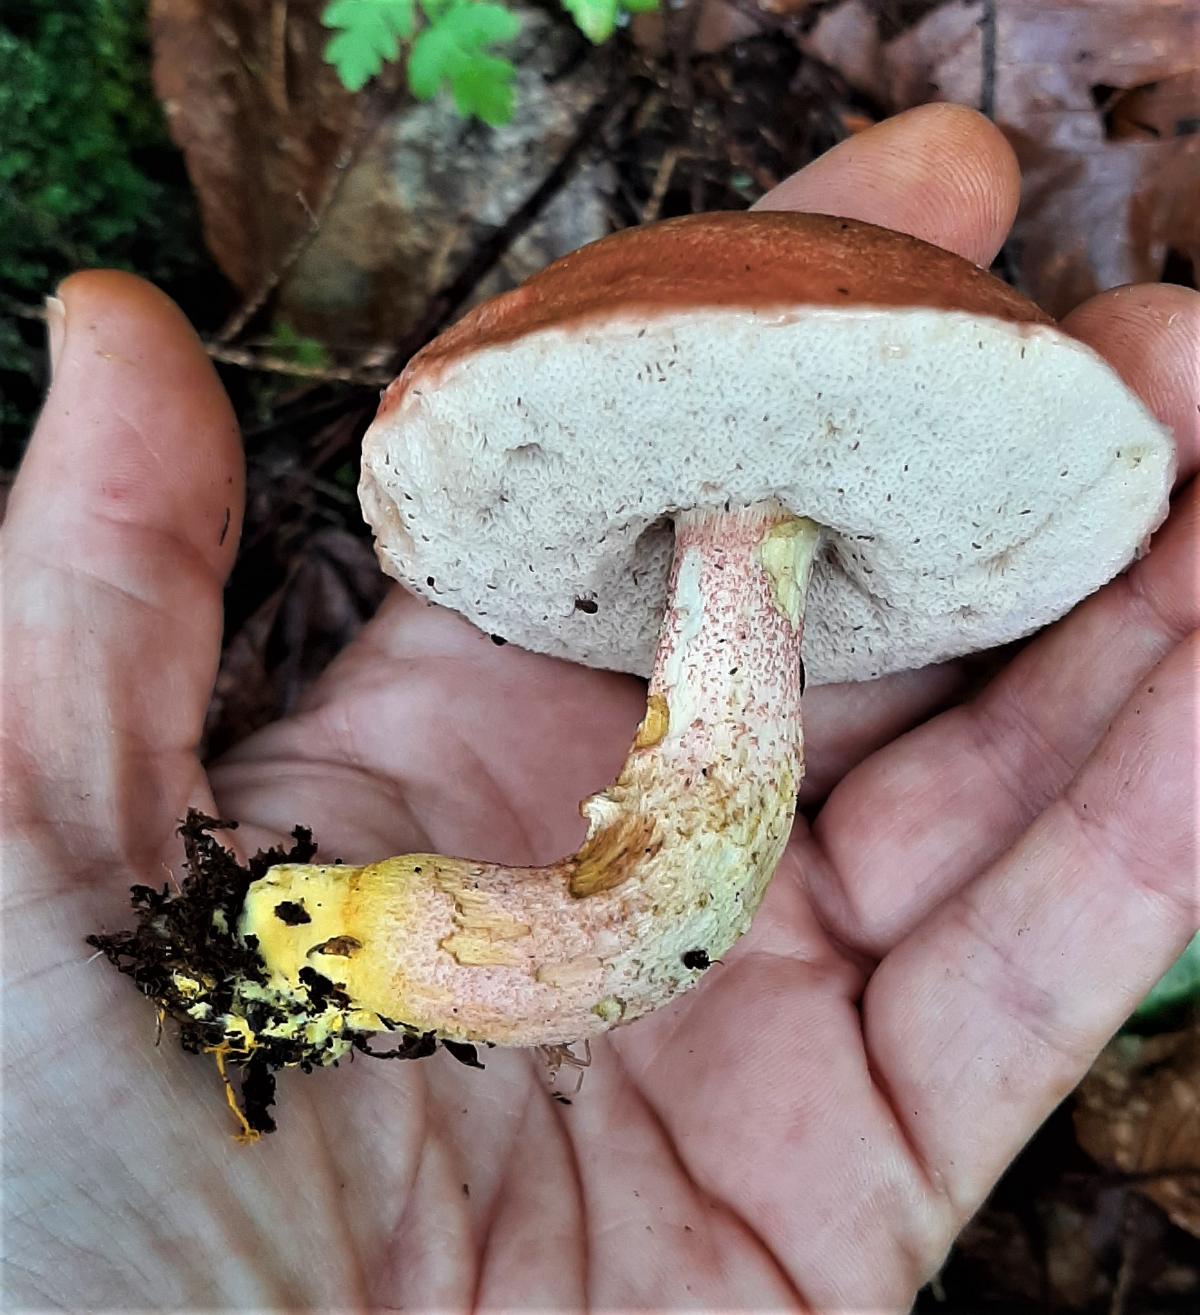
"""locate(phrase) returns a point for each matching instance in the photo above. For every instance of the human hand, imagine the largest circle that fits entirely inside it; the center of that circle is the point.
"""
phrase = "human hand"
(975, 907)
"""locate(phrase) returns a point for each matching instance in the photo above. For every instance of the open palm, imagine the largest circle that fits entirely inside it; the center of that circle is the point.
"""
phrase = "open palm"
(976, 904)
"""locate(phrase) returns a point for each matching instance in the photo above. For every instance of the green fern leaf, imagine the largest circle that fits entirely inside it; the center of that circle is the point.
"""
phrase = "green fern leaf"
(369, 36)
(452, 52)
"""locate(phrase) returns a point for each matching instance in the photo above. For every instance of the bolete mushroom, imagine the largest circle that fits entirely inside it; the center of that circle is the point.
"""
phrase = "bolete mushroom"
(701, 451)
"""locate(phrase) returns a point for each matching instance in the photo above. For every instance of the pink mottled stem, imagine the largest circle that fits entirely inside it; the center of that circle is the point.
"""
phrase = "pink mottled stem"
(727, 653)
(679, 850)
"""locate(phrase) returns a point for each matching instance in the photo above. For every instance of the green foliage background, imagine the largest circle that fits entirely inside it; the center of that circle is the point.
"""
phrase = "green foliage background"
(87, 173)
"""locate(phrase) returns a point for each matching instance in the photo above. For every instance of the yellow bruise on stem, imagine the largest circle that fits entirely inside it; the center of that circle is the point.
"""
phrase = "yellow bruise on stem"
(678, 854)
(787, 553)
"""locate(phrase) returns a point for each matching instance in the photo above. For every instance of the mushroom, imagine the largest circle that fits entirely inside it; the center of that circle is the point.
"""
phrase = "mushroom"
(715, 451)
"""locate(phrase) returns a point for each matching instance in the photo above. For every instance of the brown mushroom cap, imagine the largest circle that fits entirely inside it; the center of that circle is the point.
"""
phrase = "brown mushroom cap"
(977, 470)
(765, 259)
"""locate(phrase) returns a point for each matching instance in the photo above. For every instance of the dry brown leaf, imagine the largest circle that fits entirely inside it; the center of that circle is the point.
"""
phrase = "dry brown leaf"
(1138, 1112)
(1050, 54)
(1097, 219)
(361, 208)
(848, 39)
(1105, 201)
(718, 25)
(1169, 108)
(430, 188)
(259, 116)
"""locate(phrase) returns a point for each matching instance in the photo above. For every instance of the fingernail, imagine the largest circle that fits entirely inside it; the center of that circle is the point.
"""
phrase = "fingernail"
(56, 331)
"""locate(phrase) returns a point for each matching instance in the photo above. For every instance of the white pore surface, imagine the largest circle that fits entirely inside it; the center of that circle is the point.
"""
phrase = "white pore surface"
(976, 478)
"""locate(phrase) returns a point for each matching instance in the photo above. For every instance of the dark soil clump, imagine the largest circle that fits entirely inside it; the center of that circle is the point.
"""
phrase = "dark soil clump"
(184, 953)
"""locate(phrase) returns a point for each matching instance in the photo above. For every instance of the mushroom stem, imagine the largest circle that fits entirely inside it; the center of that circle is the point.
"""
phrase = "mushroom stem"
(679, 849)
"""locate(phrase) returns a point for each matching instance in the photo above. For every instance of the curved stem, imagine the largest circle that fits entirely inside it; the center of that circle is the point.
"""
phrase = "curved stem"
(679, 850)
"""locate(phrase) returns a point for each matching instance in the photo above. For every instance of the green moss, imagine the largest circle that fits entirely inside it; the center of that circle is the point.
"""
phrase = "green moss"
(87, 173)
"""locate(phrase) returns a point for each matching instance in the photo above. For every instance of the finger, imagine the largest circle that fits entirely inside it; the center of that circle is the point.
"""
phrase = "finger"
(845, 724)
(1002, 1000)
(942, 173)
(1150, 334)
(121, 529)
(961, 789)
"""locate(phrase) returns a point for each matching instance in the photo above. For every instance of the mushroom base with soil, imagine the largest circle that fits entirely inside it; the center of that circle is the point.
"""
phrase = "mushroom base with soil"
(307, 960)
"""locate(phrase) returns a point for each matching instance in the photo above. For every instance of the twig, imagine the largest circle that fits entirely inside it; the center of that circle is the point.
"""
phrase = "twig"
(662, 180)
(277, 80)
(987, 54)
(268, 364)
(264, 362)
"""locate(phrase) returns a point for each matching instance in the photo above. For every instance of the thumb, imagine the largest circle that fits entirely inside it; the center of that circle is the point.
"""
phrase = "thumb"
(120, 532)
